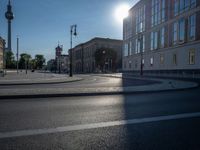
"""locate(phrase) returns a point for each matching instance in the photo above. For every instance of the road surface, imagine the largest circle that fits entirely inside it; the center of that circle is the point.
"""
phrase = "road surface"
(164, 120)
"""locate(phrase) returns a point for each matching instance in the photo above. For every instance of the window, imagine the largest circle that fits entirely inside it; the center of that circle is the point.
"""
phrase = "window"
(187, 4)
(192, 27)
(161, 59)
(157, 12)
(181, 6)
(140, 44)
(143, 61)
(154, 40)
(192, 57)
(130, 49)
(127, 28)
(174, 59)
(126, 49)
(176, 4)
(130, 64)
(192, 3)
(140, 20)
(179, 31)
(175, 33)
(137, 48)
(162, 37)
(182, 30)
(151, 61)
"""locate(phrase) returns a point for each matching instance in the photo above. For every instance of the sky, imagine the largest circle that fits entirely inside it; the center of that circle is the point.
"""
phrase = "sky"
(42, 24)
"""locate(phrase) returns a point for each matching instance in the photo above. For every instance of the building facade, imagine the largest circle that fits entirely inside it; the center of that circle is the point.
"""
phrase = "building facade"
(2, 47)
(83, 55)
(62, 61)
(162, 36)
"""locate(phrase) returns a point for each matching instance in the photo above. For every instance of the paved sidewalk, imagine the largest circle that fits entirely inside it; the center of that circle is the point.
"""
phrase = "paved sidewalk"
(12, 78)
(163, 85)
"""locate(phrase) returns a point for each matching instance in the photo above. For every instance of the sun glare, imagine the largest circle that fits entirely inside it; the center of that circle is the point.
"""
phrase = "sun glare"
(121, 12)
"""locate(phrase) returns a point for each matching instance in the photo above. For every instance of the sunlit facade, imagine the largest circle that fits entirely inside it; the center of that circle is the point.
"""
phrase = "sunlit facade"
(163, 35)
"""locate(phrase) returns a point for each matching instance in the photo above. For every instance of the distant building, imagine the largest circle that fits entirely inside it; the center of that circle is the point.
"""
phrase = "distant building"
(2, 47)
(62, 61)
(163, 36)
(83, 55)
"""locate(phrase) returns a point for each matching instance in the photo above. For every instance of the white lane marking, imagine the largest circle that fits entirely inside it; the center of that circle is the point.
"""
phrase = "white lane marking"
(96, 125)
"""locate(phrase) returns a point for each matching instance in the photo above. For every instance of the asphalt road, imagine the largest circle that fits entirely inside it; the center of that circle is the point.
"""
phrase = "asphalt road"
(165, 120)
(31, 114)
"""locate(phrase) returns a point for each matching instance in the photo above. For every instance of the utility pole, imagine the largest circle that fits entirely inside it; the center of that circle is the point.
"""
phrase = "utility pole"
(72, 32)
(17, 54)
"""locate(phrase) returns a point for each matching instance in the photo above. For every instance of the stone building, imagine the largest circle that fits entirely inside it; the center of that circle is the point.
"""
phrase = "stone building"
(162, 36)
(2, 46)
(83, 55)
(63, 63)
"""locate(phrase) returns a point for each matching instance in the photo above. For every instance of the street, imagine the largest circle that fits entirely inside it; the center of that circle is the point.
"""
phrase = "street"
(166, 120)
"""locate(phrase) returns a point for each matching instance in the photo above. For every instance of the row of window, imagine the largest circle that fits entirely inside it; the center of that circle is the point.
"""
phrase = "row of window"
(183, 30)
(181, 26)
(157, 12)
(191, 58)
(127, 28)
(158, 39)
(140, 19)
(181, 6)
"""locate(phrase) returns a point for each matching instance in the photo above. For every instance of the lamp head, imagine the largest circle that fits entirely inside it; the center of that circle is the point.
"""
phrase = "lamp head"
(75, 33)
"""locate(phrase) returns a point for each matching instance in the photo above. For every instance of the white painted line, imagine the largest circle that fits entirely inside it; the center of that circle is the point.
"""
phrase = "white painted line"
(96, 125)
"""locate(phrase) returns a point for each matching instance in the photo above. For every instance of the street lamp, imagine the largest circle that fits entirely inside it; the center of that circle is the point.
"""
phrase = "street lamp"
(17, 54)
(72, 32)
(4, 58)
(140, 39)
(104, 53)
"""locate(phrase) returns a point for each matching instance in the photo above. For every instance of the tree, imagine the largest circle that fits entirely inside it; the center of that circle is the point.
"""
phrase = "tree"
(33, 64)
(24, 60)
(106, 58)
(10, 60)
(39, 60)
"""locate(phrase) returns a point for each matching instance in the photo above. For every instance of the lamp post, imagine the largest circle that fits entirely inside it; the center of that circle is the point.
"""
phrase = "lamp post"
(4, 58)
(140, 39)
(72, 32)
(17, 54)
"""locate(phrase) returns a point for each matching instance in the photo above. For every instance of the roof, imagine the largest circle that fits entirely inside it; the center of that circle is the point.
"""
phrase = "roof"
(99, 39)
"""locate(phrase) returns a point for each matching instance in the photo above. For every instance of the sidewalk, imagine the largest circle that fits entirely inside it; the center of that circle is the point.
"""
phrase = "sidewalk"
(12, 78)
(163, 85)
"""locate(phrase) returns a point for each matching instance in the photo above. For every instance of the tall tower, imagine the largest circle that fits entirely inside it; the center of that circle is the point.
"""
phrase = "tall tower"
(9, 16)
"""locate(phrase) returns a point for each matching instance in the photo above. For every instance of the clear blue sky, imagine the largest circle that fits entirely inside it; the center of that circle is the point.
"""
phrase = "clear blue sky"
(42, 23)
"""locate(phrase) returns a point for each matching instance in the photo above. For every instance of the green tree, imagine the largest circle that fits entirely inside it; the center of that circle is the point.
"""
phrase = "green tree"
(33, 64)
(24, 60)
(10, 60)
(40, 61)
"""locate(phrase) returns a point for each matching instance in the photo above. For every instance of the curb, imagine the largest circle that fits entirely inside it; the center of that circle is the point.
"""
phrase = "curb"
(92, 94)
(35, 83)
